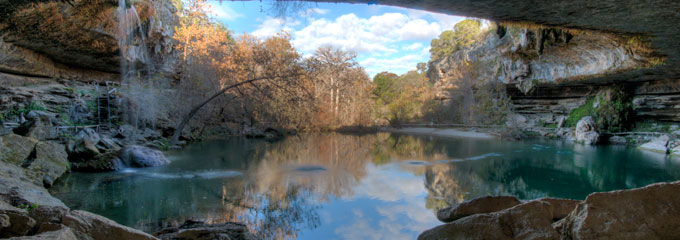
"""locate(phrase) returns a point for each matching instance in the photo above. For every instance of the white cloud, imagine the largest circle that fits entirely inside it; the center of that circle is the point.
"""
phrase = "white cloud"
(313, 11)
(364, 35)
(272, 26)
(444, 20)
(223, 12)
(414, 46)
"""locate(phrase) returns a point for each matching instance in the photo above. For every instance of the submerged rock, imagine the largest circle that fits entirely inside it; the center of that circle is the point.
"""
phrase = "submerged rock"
(486, 204)
(195, 230)
(138, 156)
(586, 132)
(651, 212)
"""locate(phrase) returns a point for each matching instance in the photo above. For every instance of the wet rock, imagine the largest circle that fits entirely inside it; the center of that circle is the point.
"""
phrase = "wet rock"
(15, 149)
(138, 156)
(101, 163)
(659, 145)
(586, 132)
(650, 212)
(88, 225)
(50, 163)
(201, 231)
(532, 220)
(486, 204)
(57, 234)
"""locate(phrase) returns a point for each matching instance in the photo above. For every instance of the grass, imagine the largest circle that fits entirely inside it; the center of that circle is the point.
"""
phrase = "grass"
(13, 113)
(584, 110)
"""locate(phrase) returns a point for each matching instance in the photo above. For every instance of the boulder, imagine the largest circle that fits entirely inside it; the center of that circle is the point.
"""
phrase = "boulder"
(39, 125)
(532, 220)
(486, 204)
(16, 189)
(659, 145)
(88, 225)
(16, 221)
(101, 163)
(138, 156)
(108, 144)
(650, 212)
(51, 161)
(15, 149)
(83, 147)
(60, 234)
(586, 132)
(201, 231)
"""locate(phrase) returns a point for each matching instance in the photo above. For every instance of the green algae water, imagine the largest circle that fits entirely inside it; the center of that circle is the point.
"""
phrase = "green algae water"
(334, 186)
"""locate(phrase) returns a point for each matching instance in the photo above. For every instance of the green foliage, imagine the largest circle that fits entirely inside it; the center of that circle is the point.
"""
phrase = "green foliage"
(16, 112)
(613, 113)
(29, 207)
(584, 110)
(384, 86)
(463, 35)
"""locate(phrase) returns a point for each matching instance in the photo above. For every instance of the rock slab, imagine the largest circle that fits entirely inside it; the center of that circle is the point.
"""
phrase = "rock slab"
(486, 204)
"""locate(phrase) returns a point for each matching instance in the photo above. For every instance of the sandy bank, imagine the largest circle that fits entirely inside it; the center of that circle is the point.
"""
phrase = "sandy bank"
(444, 132)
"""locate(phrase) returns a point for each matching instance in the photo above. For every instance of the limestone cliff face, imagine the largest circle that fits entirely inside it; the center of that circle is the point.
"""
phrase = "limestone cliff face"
(549, 72)
(527, 57)
(77, 39)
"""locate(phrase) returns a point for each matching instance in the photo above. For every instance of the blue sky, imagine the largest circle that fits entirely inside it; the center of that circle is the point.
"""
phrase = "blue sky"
(385, 38)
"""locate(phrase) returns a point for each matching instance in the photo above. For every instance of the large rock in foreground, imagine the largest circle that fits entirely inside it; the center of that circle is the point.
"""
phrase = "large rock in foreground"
(200, 231)
(532, 220)
(486, 204)
(651, 212)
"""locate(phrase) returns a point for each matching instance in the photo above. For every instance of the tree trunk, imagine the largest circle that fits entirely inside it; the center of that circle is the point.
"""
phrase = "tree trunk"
(194, 110)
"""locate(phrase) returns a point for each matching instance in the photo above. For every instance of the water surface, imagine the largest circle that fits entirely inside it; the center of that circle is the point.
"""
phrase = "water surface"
(333, 186)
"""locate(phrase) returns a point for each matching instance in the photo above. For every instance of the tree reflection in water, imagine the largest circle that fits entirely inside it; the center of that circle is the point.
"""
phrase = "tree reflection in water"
(280, 188)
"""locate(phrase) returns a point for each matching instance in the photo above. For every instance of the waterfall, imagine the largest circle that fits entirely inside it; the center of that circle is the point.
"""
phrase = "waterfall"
(138, 86)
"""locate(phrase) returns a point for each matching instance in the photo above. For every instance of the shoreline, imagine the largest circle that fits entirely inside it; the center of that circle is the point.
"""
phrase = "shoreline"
(442, 132)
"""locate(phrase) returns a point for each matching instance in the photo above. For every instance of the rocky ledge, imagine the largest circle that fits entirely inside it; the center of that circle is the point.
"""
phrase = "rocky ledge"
(649, 212)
